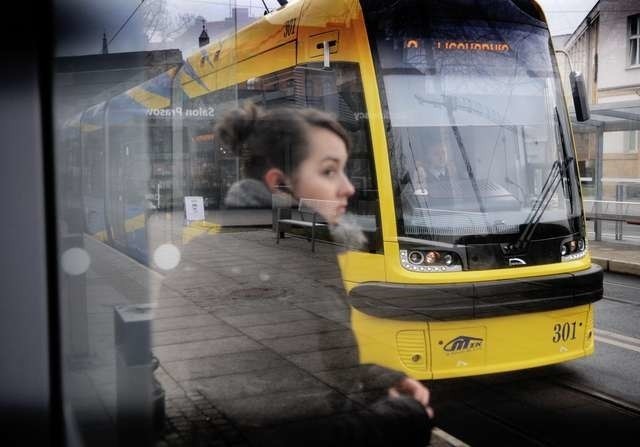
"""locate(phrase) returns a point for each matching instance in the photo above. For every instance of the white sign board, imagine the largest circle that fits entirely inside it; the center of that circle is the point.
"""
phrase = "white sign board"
(194, 208)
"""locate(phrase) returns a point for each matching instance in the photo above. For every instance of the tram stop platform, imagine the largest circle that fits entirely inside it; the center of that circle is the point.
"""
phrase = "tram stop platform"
(616, 256)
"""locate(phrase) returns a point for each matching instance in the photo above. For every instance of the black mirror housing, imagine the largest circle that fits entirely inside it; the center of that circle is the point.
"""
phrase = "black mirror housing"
(579, 93)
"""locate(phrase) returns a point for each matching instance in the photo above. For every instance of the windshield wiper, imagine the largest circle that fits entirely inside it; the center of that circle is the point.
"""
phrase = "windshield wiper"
(548, 190)
(465, 158)
(559, 171)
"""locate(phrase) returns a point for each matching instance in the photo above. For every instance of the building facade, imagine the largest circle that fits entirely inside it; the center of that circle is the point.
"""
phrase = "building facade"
(605, 47)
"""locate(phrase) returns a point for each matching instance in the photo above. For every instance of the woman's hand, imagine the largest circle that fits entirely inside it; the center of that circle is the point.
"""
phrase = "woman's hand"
(412, 388)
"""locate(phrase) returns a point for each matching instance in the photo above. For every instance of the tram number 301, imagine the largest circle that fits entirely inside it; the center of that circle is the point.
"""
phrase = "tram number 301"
(564, 332)
(289, 27)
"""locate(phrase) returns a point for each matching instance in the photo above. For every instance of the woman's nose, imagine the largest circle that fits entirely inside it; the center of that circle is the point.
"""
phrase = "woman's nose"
(346, 187)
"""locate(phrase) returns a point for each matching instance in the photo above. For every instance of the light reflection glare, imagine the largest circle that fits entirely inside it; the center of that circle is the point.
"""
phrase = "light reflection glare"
(167, 256)
(75, 261)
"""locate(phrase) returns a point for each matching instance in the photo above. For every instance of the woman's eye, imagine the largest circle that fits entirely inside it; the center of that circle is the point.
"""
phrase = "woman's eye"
(329, 172)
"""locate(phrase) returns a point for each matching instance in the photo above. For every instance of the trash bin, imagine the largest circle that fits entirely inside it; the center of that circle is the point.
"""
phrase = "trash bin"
(140, 399)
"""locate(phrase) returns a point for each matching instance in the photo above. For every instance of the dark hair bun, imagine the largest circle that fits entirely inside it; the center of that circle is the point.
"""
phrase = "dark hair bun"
(237, 126)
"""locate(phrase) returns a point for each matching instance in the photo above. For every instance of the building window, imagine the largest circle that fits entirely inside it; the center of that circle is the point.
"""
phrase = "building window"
(634, 39)
(631, 142)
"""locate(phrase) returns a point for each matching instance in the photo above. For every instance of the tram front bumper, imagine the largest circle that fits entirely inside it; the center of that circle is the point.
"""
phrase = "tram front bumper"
(433, 332)
(463, 301)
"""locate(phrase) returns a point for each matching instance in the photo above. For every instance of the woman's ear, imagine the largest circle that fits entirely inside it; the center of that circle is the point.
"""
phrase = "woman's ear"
(275, 180)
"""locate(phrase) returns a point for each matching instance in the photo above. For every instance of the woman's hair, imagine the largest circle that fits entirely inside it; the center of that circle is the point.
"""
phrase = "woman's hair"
(275, 138)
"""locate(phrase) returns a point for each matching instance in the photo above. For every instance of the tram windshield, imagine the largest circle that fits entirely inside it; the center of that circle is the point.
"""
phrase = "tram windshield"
(478, 132)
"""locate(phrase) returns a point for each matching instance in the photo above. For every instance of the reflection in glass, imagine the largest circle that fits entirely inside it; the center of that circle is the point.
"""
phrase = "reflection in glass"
(200, 331)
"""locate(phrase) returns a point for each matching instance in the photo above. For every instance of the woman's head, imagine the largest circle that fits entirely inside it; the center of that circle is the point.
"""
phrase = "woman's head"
(303, 152)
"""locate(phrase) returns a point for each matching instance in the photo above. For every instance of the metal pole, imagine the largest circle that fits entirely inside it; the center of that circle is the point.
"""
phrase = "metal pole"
(619, 198)
(597, 224)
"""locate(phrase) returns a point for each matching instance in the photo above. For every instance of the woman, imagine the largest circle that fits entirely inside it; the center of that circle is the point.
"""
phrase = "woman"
(285, 147)
(304, 155)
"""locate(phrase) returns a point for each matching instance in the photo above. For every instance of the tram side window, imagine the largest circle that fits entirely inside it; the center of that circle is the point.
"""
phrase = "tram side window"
(213, 169)
(160, 183)
(271, 90)
(210, 169)
(339, 91)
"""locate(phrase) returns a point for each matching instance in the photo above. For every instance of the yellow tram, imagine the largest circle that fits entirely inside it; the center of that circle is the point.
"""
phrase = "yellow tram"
(482, 269)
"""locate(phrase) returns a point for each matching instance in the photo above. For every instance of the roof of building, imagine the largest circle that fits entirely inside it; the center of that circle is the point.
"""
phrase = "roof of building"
(583, 25)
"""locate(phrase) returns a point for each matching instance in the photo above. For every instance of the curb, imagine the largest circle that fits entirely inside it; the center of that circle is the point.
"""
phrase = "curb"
(628, 268)
(440, 438)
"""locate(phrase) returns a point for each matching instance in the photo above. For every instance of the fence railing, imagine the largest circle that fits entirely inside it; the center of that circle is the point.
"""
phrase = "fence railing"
(620, 210)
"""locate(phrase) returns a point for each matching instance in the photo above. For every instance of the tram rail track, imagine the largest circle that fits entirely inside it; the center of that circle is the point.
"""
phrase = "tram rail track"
(629, 408)
(608, 297)
(619, 284)
(529, 437)
(522, 432)
(621, 301)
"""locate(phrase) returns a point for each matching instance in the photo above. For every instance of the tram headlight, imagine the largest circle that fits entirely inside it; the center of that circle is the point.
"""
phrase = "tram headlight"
(574, 249)
(432, 257)
(430, 261)
(415, 257)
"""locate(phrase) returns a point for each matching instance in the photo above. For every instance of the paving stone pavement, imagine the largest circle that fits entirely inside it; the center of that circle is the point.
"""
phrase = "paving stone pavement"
(247, 294)
(249, 312)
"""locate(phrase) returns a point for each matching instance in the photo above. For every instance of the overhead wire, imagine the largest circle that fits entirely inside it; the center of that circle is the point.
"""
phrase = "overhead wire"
(126, 21)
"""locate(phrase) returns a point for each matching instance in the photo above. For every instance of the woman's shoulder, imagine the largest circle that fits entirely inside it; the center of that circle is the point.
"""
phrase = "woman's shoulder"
(248, 193)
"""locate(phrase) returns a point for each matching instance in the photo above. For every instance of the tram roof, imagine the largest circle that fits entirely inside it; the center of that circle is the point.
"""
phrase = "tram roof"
(610, 117)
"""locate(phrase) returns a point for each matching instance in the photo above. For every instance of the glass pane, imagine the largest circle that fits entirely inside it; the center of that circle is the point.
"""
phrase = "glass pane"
(186, 319)
(634, 23)
(476, 130)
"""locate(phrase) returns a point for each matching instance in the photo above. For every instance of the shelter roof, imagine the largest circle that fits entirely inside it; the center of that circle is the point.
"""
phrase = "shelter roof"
(610, 117)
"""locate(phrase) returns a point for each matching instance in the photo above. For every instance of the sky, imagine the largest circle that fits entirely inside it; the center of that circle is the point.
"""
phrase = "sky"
(211, 9)
(82, 22)
(564, 16)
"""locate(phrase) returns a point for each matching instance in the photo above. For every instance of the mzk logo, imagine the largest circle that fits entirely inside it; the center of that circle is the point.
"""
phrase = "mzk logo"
(462, 343)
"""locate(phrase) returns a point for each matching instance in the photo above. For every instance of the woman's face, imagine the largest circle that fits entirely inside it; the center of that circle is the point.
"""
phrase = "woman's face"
(320, 181)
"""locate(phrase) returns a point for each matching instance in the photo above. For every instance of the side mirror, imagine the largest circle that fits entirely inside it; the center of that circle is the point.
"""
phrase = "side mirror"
(579, 93)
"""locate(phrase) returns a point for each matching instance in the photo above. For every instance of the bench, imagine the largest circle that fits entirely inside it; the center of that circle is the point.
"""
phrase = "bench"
(303, 216)
(617, 211)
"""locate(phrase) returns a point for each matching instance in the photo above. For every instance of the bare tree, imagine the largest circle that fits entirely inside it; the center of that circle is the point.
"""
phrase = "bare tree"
(160, 25)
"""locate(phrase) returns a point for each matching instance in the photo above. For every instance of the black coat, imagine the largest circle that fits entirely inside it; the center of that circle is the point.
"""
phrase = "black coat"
(307, 389)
